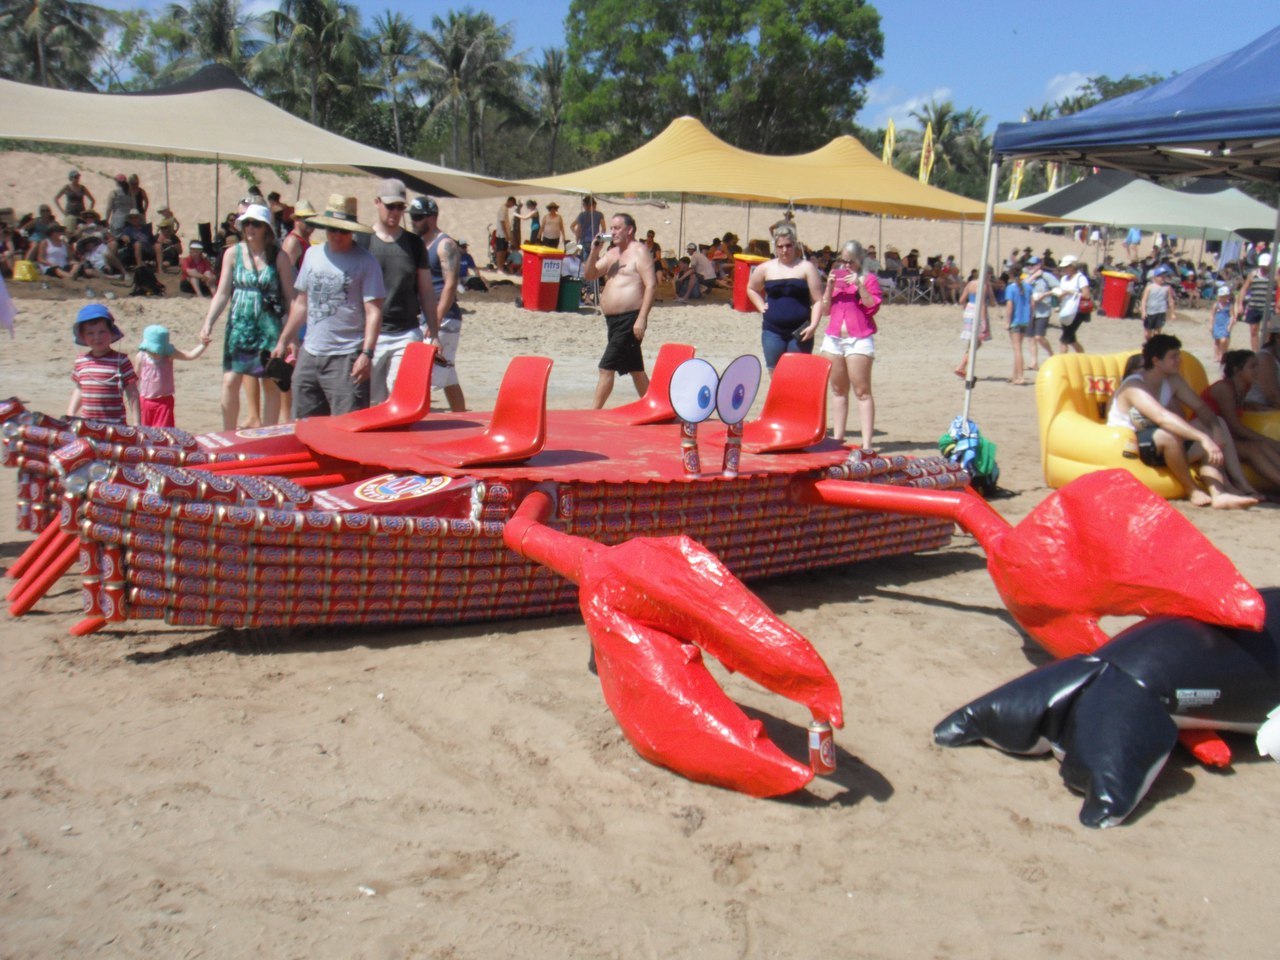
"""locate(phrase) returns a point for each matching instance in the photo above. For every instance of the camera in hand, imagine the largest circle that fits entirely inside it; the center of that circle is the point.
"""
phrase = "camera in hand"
(604, 238)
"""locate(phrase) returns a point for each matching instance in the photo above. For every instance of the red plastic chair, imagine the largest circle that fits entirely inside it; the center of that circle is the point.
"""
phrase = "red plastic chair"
(655, 405)
(518, 427)
(410, 398)
(795, 408)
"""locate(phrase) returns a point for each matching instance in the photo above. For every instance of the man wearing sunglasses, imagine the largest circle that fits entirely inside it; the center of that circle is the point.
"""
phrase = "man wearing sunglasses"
(406, 275)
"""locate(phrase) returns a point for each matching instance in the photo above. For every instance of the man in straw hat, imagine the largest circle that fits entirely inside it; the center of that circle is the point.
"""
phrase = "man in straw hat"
(402, 257)
(297, 241)
(338, 294)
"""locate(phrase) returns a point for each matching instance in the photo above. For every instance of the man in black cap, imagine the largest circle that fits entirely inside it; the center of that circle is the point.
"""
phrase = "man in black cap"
(443, 257)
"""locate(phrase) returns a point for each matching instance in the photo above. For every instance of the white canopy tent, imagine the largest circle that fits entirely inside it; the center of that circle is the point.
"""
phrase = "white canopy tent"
(214, 116)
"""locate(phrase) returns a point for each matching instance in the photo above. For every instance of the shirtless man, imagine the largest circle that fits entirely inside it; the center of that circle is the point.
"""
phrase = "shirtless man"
(1142, 403)
(626, 300)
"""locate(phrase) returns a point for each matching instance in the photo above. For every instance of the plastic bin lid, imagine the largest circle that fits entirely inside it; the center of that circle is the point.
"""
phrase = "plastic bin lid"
(1121, 276)
(749, 257)
(542, 251)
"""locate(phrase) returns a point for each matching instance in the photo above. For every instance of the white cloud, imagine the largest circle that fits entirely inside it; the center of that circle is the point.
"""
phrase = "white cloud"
(889, 102)
(1064, 85)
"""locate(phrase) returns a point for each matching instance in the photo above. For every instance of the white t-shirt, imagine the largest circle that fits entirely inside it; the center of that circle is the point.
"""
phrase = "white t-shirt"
(1068, 293)
(701, 265)
(337, 286)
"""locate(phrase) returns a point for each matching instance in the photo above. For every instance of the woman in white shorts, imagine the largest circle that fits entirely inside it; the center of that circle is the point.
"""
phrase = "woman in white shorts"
(851, 299)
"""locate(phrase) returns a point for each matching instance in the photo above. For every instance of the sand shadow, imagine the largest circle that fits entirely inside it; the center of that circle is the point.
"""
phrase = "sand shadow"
(256, 642)
(857, 780)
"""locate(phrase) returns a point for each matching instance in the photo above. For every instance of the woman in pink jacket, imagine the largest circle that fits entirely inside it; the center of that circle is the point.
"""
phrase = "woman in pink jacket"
(851, 300)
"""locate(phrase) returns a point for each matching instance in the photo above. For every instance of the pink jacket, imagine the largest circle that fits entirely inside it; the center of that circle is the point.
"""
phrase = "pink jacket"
(847, 311)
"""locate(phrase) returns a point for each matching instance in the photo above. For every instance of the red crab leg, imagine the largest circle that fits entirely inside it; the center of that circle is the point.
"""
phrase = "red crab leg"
(647, 602)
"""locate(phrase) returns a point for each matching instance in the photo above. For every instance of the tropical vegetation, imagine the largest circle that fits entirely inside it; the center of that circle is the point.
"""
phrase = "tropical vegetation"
(775, 76)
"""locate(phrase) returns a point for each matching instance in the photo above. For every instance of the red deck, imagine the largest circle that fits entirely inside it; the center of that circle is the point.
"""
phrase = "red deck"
(583, 446)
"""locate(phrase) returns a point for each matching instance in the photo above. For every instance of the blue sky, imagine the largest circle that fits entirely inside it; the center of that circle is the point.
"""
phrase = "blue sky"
(998, 57)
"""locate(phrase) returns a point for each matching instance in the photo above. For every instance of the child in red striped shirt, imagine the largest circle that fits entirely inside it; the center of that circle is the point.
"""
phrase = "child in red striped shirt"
(104, 379)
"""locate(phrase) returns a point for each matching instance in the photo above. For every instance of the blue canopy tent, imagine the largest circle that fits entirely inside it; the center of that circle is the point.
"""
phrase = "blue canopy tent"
(1220, 119)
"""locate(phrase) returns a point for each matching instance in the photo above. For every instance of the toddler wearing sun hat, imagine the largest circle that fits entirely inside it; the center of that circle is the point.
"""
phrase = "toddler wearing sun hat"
(155, 374)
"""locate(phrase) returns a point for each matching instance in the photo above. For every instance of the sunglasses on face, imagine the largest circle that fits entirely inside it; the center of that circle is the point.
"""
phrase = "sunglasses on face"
(395, 206)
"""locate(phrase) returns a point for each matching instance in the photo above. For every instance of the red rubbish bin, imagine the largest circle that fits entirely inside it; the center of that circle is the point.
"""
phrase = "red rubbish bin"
(540, 276)
(1115, 293)
(743, 264)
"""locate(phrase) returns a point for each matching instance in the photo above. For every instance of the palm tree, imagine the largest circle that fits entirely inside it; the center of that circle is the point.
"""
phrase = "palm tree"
(548, 81)
(469, 66)
(317, 56)
(214, 31)
(396, 45)
(960, 146)
(53, 43)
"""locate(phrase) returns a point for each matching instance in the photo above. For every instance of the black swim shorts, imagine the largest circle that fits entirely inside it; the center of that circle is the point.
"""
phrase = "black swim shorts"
(622, 354)
(1148, 452)
(1153, 321)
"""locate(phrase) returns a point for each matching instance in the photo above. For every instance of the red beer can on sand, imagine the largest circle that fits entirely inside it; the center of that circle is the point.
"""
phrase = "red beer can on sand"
(822, 748)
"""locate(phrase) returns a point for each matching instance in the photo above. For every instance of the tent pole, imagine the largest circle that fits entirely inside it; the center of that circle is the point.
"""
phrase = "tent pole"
(680, 245)
(983, 281)
(839, 224)
(961, 267)
(880, 237)
(217, 177)
(747, 235)
(167, 205)
(298, 196)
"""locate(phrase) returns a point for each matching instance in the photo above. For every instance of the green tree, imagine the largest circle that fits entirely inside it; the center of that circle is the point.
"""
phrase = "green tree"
(547, 78)
(214, 31)
(53, 43)
(469, 67)
(315, 65)
(397, 47)
(961, 147)
(765, 75)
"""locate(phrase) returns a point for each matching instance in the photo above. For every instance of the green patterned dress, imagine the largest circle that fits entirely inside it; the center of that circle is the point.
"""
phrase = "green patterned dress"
(255, 322)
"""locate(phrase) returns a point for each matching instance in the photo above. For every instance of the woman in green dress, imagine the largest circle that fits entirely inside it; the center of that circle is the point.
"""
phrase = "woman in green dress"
(257, 280)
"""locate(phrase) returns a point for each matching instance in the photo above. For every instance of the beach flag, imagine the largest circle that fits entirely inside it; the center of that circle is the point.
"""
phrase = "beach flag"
(1015, 179)
(1051, 171)
(926, 153)
(890, 140)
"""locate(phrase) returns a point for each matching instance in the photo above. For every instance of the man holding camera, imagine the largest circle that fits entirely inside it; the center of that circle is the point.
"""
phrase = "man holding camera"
(626, 300)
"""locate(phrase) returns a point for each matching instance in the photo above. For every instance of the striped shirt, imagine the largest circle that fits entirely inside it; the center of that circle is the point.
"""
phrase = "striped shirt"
(102, 381)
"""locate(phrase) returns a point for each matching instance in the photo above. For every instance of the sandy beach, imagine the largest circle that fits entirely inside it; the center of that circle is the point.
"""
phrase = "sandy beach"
(464, 792)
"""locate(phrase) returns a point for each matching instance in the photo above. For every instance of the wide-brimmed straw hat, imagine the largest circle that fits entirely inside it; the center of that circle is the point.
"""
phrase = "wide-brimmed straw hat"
(90, 312)
(155, 339)
(303, 210)
(340, 213)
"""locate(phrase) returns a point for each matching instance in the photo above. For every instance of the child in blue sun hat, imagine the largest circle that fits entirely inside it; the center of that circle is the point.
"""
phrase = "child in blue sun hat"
(104, 378)
(155, 374)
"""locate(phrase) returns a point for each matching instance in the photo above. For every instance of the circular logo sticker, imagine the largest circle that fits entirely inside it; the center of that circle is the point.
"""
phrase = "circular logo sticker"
(257, 433)
(396, 486)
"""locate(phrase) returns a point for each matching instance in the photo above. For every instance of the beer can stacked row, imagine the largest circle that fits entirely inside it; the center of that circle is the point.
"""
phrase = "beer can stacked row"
(45, 449)
(197, 562)
(756, 525)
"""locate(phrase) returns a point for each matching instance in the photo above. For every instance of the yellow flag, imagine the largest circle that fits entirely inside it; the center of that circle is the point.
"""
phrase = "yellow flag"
(1015, 180)
(1051, 171)
(890, 140)
(926, 153)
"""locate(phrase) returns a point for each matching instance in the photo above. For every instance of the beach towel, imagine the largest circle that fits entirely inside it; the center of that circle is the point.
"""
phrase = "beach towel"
(964, 444)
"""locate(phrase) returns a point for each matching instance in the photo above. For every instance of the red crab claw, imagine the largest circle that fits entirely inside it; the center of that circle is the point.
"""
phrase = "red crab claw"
(650, 604)
(1102, 545)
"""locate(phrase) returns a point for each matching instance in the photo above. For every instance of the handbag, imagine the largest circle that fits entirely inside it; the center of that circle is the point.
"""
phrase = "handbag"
(1086, 301)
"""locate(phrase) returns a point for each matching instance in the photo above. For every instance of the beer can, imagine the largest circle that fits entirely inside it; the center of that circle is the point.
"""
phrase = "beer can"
(822, 748)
